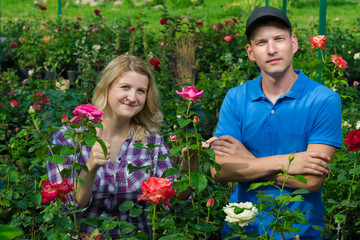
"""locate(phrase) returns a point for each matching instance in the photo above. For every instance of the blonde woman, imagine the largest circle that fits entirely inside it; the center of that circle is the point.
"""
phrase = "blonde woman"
(129, 98)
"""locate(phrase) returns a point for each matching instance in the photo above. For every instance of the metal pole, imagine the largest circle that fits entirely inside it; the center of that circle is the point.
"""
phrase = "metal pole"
(322, 31)
(59, 9)
(284, 6)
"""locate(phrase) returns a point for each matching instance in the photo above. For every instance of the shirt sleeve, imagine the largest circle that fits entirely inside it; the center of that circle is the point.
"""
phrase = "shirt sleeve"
(228, 123)
(327, 126)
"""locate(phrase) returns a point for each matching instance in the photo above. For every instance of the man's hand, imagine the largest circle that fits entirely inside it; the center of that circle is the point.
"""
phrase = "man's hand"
(228, 146)
(313, 163)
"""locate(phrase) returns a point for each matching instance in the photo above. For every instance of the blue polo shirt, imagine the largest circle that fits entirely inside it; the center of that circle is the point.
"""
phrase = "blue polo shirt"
(308, 113)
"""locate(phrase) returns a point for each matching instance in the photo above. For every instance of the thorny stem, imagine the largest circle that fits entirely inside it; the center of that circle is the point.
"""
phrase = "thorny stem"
(350, 193)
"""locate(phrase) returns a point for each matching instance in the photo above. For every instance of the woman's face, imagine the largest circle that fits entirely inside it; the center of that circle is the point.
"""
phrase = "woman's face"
(127, 94)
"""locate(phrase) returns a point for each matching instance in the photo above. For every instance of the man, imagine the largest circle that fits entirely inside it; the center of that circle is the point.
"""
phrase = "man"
(264, 120)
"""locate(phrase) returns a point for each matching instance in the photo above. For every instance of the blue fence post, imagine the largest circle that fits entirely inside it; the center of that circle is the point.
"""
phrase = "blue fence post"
(322, 31)
(59, 9)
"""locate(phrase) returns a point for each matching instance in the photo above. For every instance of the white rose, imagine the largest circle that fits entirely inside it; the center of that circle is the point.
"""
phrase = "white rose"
(96, 47)
(346, 124)
(358, 125)
(242, 219)
(357, 55)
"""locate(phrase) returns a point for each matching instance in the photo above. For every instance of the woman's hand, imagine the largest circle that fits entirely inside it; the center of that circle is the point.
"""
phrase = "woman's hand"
(97, 156)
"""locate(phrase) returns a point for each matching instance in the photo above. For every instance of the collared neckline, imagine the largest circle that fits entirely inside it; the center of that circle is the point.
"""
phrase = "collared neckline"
(296, 90)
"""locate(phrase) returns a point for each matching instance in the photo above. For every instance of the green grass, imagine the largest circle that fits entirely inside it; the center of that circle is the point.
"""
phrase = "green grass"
(301, 12)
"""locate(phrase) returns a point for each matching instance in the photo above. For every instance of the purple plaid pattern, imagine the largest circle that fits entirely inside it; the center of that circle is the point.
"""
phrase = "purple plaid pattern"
(113, 184)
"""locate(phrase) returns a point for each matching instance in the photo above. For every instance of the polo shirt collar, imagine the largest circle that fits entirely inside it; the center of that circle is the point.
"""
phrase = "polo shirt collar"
(296, 90)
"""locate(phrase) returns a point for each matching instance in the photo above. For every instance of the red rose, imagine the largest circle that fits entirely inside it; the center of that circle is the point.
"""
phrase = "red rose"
(87, 236)
(163, 21)
(339, 61)
(234, 20)
(227, 22)
(79, 18)
(318, 41)
(88, 111)
(43, 8)
(13, 44)
(14, 103)
(155, 63)
(353, 140)
(97, 11)
(157, 190)
(54, 191)
(200, 23)
(132, 29)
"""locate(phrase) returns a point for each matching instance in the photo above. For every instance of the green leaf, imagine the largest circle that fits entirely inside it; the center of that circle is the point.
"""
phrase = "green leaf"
(57, 159)
(139, 145)
(136, 212)
(300, 178)
(103, 146)
(36, 198)
(48, 217)
(182, 122)
(67, 150)
(8, 232)
(126, 206)
(300, 191)
(90, 140)
(238, 210)
(355, 170)
(176, 150)
(199, 181)
(170, 172)
(257, 185)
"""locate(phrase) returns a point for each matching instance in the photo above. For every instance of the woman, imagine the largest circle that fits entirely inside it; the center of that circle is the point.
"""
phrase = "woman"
(129, 98)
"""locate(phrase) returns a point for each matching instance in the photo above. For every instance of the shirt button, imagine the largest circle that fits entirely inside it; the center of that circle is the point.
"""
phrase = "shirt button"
(272, 111)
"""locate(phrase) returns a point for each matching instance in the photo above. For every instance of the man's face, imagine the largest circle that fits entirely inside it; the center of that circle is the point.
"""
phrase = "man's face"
(272, 48)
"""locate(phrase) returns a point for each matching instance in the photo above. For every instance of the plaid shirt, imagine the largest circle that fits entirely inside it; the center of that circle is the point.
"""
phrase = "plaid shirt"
(113, 184)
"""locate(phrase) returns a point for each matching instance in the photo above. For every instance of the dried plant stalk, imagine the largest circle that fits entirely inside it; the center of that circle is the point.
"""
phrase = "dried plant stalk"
(185, 59)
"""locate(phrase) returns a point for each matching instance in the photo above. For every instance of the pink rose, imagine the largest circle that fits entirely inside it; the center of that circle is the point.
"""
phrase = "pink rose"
(12, 92)
(191, 93)
(173, 137)
(356, 83)
(200, 23)
(196, 119)
(162, 44)
(227, 38)
(318, 41)
(64, 118)
(88, 111)
(14, 103)
(95, 29)
(227, 22)
(79, 18)
(339, 61)
(210, 202)
(13, 44)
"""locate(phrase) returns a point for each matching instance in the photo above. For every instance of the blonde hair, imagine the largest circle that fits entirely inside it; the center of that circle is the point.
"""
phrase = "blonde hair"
(148, 120)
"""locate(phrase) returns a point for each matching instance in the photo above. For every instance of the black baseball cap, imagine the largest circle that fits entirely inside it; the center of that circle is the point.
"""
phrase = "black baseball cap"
(266, 13)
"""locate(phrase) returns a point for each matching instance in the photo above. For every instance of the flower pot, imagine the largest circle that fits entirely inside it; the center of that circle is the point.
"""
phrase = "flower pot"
(71, 75)
(24, 72)
(50, 75)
